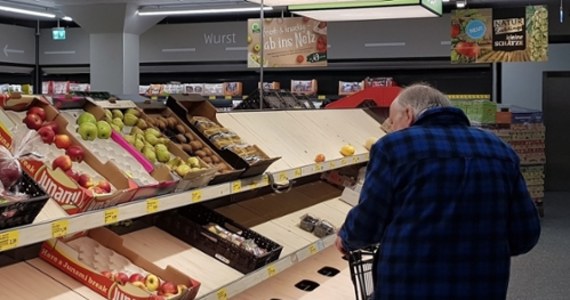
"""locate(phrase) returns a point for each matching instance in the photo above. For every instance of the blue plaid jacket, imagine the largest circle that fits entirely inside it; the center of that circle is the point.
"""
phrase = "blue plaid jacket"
(449, 206)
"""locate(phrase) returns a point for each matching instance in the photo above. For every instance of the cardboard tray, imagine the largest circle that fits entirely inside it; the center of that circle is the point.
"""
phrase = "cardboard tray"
(191, 105)
(62, 256)
(153, 109)
(187, 225)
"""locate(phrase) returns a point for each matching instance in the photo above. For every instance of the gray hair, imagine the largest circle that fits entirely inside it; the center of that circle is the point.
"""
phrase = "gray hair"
(421, 97)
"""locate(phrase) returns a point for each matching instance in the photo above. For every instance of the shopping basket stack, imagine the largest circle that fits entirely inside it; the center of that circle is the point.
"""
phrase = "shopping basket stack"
(361, 272)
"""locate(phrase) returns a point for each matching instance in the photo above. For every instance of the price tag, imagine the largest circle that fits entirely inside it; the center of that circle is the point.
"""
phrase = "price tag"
(111, 216)
(151, 205)
(212, 97)
(356, 159)
(313, 249)
(321, 97)
(154, 98)
(298, 172)
(343, 162)
(59, 228)
(283, 176)
(236, 186)
(253, 185)
(318, 167)
(332, 165)
(222, 294)
(271, 271)
(9, 240)
(196, 196)
(265, 180)
(228, 97)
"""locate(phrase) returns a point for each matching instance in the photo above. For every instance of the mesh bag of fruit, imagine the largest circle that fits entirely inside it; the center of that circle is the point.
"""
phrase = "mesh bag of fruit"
(10, 168)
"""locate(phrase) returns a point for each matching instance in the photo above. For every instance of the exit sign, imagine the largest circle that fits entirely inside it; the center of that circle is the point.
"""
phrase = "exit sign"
(58, 34)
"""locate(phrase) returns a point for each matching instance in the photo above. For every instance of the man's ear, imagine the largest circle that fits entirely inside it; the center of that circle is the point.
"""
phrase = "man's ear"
(410, 119)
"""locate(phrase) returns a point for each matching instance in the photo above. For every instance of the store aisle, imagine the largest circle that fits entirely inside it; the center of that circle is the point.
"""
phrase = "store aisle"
(544, 272)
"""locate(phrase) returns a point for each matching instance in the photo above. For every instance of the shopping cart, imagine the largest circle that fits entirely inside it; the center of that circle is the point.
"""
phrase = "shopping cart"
(362, 272)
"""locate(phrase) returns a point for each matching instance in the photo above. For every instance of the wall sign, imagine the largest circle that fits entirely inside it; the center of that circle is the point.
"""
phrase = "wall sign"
(499, 35)
(288, 42)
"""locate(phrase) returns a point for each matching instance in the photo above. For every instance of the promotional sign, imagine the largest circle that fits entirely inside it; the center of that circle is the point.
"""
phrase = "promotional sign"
(288, 42)
(499, 35)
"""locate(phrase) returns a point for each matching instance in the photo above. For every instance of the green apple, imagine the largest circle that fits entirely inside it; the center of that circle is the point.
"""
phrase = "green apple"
(103, 130)
(149, 153)
(130, 119)
(163, 155)
(88, 131)
(108, 114)
(139, 136)
(139, 144)
(152, 131)
(193, 161)
(160, 147)
(151, 139)
(136, 130)
(134, 111)
(86, 117)
(115, 127)
(117, 113)
(130, 139)
(119, 123)
(142, 124)
(182, 170)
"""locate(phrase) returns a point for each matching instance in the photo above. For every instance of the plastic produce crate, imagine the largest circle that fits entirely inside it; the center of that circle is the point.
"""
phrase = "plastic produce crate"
(188, 225)
(13, 214)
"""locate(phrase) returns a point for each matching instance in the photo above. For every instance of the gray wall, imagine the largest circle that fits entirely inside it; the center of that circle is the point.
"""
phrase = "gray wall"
(71, 51)
(17, 45)
(522, 82)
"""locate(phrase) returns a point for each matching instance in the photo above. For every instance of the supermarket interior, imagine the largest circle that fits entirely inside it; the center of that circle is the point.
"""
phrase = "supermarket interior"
(212, 149)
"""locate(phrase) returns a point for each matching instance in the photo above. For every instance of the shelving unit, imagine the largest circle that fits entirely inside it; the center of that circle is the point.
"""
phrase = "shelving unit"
(296, 136)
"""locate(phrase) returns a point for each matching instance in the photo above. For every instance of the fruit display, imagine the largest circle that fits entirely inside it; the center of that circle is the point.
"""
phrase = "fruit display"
(235, 238)
(99, 259)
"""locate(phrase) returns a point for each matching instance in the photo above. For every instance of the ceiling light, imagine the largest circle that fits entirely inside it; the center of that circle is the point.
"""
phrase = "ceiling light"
(27, 12)
(461, 3)
(363, 14)
(66, 18)
(157, 12)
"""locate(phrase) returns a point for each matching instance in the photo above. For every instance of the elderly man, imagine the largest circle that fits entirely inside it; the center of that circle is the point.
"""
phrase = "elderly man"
(447, 203)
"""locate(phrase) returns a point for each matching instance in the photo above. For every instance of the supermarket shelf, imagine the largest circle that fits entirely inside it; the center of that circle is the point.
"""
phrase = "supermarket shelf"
(34, 233)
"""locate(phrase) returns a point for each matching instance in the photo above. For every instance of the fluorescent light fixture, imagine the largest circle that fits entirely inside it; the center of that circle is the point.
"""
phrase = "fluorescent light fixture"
(66, 18)
(363, 14)
(157, 12)
(27, 12)
(461, 4)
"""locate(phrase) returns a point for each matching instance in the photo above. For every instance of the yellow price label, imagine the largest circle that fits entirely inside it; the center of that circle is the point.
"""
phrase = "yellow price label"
(154, 98)
(212, 97)
(283, 176)
(321, 97)
(313, 249)
(265, 180)
(271, 271)
(318, 167)
(332, 165)
(343, 162)
(222, 294)
(9, 240)
(196, 196)
(111, 216)
(236, 186)
(228, 97)
(152, 205)
(356, 159)
(253, 185)
(298, 172)
(59, 228)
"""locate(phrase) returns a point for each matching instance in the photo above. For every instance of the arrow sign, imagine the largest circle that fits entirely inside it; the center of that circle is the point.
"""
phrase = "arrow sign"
(7, 50)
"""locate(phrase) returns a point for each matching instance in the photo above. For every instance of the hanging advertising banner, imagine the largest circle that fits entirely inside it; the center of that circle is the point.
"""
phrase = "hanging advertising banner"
(288, 42)
(499, 35)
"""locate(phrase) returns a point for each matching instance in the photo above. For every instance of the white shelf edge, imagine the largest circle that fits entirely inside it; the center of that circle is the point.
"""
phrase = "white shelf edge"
(35, 233)
(249, 280)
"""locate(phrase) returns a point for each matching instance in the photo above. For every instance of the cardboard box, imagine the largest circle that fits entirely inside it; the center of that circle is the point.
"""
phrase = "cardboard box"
(305, 87)
(63, 256)
(187, 106)
(233, 89)
(349, 88)
(274, 85)
(65, 191)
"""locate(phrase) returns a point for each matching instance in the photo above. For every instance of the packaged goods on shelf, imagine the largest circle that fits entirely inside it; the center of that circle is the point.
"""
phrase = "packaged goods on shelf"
(201, 117)
(151, 139)
(220, 237)
(274, 85)
(379, 82)
(213, 89)
(306, 87)
(233, 89)
(155, 90)
(194, 88)
(276, 99)
(69, 172)
(173, 88)
(100, 260)
(478, 111)
(350, 87)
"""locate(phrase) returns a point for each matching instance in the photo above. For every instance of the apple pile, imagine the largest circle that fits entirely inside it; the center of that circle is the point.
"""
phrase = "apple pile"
(161, 290)
(91, 129)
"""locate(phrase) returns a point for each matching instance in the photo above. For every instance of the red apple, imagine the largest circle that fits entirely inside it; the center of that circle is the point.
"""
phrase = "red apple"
(157, 297)
(53, 126)
(97, 190)
(63, 162)
(75, 152)
(72, 174)
(104, 185)
(168, 288)
(33, 121)
(47, 134)
(38, 111)
(121, 278)
(9, 175)
(107, 274)
(62, 141)
(136, 277)
(85, 181)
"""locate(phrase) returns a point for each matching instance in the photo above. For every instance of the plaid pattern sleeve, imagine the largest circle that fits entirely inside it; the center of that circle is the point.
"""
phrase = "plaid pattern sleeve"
(449, 207)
